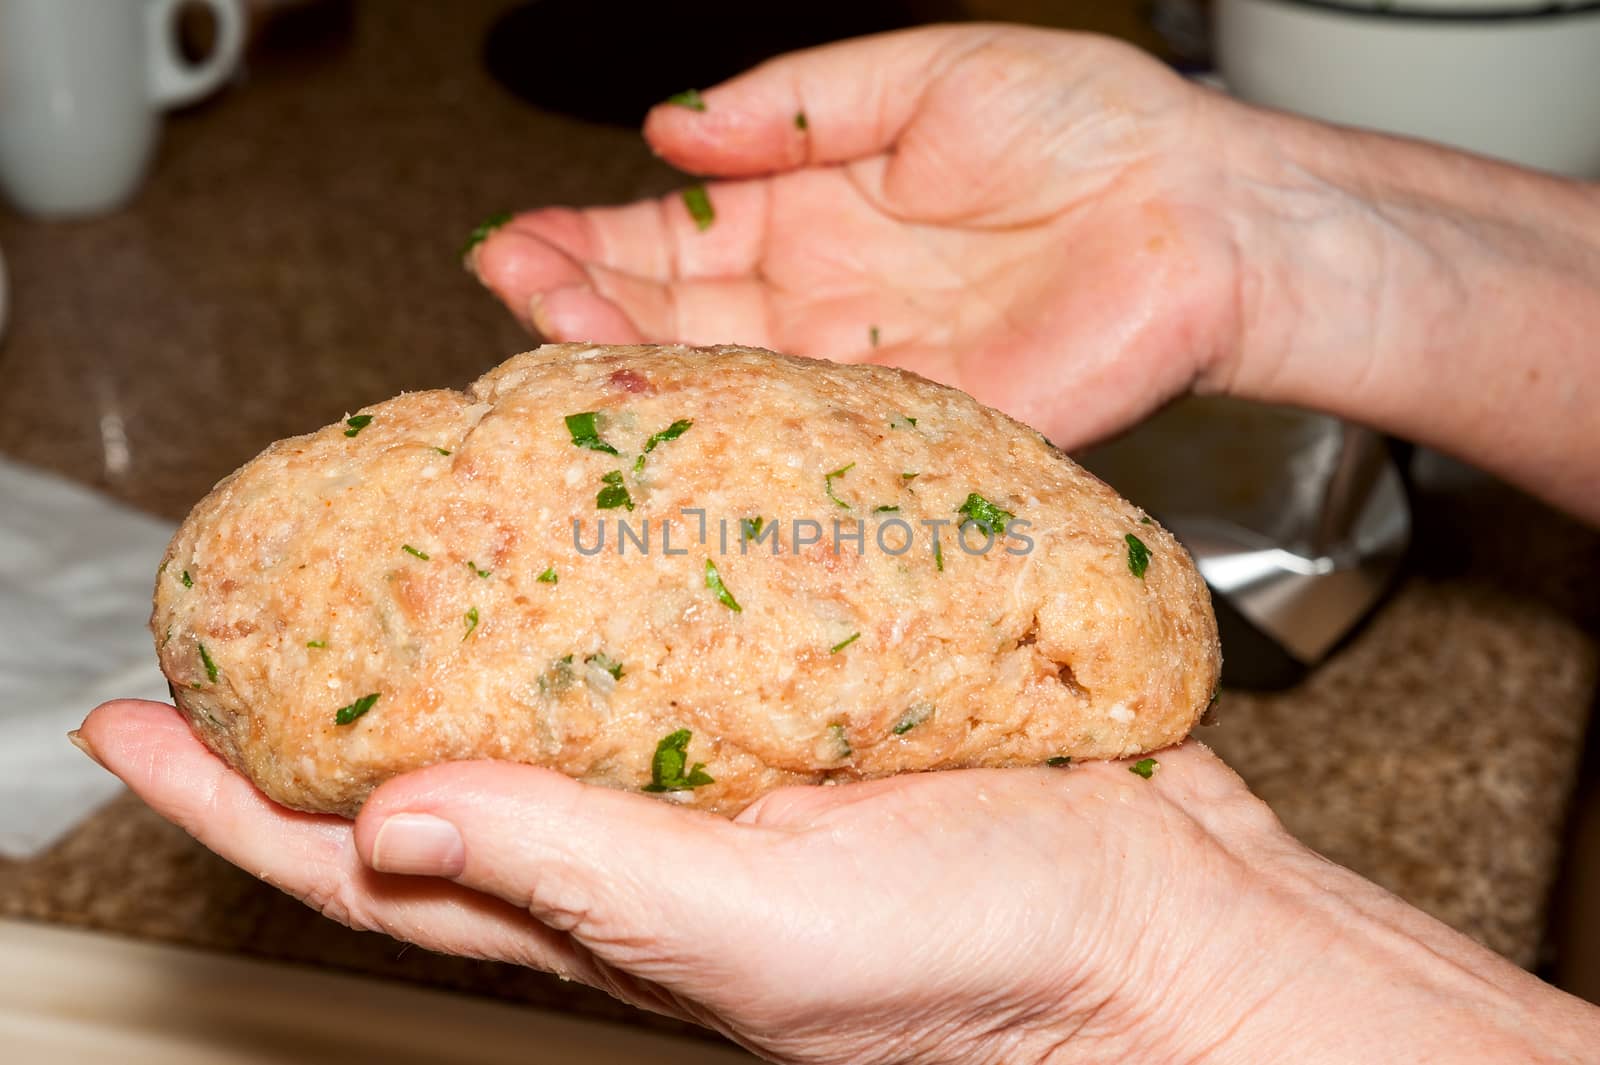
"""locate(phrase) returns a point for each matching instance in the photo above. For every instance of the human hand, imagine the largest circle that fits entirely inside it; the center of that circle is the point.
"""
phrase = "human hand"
(977, 916)
(1022, 214)
(1071, 233)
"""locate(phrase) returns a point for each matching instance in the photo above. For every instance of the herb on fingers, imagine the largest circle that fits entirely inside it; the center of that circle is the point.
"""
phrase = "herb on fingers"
(698, 203)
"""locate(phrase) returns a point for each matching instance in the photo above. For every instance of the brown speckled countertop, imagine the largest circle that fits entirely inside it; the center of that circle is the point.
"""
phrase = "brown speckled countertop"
(293, 257)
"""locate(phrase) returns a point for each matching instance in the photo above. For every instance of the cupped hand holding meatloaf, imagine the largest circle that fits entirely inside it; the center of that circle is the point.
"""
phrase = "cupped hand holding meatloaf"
(704, 573)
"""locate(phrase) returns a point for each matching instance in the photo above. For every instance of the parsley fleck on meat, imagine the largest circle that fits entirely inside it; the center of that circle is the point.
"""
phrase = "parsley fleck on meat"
(316, 644)
(800, 121)
(188, 581)
(585, 430)
(1138, 556)
(714, 582)
(671, 432)
(902, 421)
(471, 618)
(357, 423)
(408, 549)
(985, 515)
(873, 335)
(614, 494)
(667, 766)
(1058, 761)
(1144, 767)
(829, 478)
(607, 663)
(205, 660)
(473, 566)
(916, 715)
(346, 714)
(549, 576)
(846, 642)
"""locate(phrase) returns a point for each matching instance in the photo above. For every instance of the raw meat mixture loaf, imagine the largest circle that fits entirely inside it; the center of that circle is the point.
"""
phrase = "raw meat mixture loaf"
(420, 583)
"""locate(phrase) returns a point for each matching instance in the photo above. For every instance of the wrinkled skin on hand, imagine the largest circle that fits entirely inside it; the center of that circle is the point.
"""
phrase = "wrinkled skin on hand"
(1021, 214)
(976, 916)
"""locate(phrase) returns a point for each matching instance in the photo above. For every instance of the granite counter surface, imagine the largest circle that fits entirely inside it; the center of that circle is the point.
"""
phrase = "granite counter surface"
(293, 257)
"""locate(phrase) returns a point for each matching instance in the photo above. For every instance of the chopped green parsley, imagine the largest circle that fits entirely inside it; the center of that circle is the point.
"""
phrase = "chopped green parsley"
(1058, 761)
(714, 582)
(317, 643)
(442, 450)
(357, 423)
(800, 121)
(205, 660)
(671, 432)
(985, 515)
(689, 98)
(585, 430)
(408, 549)
(902, 421)
(886, 510)
(1138, 556)
(473, 566)
(873, 335)
(347, 714)
(607, 663)
(750, 528)
(471, 618)
(614, 494)
(549, 576)
(668, 765)
(846, 642)
(829, 478)
(916, 715)
(188, 581)
(1144, 767)
(698, 201)
(481, 231)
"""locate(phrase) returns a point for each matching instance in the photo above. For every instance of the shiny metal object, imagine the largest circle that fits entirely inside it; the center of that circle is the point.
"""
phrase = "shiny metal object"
(1298, 522)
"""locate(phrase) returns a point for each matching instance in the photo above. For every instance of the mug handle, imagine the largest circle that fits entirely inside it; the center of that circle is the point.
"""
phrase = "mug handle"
(174, 82)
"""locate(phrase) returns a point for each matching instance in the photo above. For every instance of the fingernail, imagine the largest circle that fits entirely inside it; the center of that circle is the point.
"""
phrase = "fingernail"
(419, 845)
(76, 739)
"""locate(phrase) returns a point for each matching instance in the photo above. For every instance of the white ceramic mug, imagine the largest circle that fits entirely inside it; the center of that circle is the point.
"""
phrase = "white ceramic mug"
(82, 87)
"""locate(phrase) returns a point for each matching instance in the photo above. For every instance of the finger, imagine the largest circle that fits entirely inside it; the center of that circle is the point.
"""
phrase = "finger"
(662, 892)
(857, 96)
(310, 856)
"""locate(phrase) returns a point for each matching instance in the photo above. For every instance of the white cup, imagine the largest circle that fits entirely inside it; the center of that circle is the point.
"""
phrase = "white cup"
(82, 87)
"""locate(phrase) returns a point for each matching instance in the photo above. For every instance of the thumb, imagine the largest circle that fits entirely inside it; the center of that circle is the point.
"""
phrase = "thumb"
(820, 106)
(655, 890)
